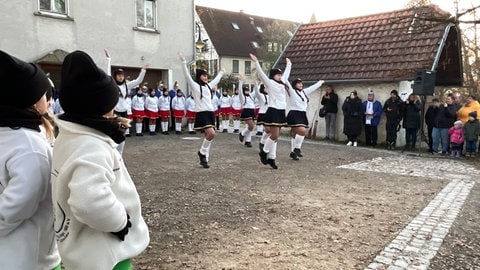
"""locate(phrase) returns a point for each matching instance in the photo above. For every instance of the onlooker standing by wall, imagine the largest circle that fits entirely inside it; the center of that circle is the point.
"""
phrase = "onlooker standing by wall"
(27, 239)
(445, 119)
(352, 118)
(372, 112)
(330, 101)
(430, 116)
(411, 120)
(392, 109)
(471, 131)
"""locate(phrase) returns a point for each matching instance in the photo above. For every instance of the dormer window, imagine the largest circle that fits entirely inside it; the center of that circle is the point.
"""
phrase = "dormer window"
(255, 45)
(259, 29)
(235, 26)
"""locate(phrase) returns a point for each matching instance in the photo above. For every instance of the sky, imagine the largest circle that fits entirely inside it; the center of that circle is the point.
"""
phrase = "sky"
(301, 10)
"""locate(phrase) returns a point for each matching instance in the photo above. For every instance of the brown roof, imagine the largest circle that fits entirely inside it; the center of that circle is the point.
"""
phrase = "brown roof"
(385, 46)
(235, 42)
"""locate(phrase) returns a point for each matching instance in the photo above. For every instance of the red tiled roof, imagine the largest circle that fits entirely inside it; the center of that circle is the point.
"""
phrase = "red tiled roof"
(386, 46)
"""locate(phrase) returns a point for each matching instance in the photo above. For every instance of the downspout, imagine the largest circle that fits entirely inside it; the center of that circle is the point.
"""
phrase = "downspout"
(286, 46)
(441, 46)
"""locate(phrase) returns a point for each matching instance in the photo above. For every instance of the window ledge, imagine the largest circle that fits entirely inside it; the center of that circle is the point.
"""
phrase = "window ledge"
(53, 15)
(147, 30)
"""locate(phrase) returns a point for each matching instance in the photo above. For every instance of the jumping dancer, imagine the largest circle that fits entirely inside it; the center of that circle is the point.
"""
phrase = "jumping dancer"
(205, 117)
(261, 95)
(247, 115)
(297, 116)
(277, 85)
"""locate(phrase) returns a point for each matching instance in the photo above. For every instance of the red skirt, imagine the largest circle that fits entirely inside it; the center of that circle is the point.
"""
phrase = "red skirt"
(178, 113)
(130, 116)
(225, 111)
(164, 114)
(257, 110)
(151, 115)
(236, 112)
(190, 115)
(217, 113)
(138, 114)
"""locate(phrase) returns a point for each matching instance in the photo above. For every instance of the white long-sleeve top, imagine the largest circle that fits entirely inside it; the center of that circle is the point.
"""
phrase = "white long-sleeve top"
(178, 103)
(215, 102)
(129, 105)
(247, 102)
(164, 103)
(298, 98)
(198, 91)
(124, 88)
(92, 194)
(236, 102)
(27, 239)
(276, 91)
(262, 99)
(138, 103)
(151, 103)
(190, 104)
(225, 101)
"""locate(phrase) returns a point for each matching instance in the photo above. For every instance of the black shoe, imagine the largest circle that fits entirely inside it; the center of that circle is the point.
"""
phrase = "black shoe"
(260, 146)
(248, 144)
(165, 133)
(272, 164)
(203, 160)
(178, 132)
(263, 157)
(298, 152)
(224, 130)
(259, 133)
(241, 137)
(128, 135)
(235, 131)
(139, 134)
(153, 133)
(294, 156)
(192, 132)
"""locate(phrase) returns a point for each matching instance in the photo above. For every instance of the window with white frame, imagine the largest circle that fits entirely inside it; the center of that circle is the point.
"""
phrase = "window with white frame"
(248, 67)
(146, 13)
(235, 66)
(53, 6)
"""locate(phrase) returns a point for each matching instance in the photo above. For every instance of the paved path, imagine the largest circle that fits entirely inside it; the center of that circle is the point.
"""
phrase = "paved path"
(419, 241)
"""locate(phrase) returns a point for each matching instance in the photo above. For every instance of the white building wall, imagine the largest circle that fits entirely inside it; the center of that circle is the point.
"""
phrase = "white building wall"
(99, 25)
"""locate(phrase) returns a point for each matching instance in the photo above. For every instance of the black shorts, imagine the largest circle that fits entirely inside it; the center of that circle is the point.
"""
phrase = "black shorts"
(203, 120)
(275, 117)
(297, 119)
(247, 114)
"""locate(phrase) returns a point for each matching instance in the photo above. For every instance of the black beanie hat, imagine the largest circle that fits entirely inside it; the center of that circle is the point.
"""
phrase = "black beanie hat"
(85, 89)
(473, 114)
(273, 72)
(294, 82)
(199, 72)
(25, 82)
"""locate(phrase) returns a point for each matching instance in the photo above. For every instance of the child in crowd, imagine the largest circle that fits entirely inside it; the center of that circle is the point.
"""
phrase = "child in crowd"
(456, 139)
(471, 131)
(27, 238)
(164, 111)
(236, 110)
(225, 110)
(138, 110)
(178, 106)
(151, 110)
(190, 107)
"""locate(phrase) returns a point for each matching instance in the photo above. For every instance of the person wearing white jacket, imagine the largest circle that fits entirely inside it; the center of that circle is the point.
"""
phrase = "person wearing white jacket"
(297, 116)
(205, 116)
(27, 239)
(98, 219)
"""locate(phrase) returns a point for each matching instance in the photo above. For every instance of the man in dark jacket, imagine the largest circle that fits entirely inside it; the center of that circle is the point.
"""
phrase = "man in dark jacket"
(444, 120)
(391, 108)
(411, 120)
(430, 117)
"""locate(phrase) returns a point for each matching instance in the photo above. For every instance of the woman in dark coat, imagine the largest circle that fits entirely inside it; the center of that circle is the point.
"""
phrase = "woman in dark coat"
(352, 118)
(411, 120)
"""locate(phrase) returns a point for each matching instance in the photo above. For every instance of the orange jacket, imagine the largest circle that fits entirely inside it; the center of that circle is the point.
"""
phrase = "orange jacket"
(462, 113)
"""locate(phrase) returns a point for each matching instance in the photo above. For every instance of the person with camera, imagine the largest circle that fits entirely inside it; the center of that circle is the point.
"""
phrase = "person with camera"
(330, 103)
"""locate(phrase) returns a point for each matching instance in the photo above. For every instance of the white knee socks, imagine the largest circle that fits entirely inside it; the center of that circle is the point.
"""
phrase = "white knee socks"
(205, 148)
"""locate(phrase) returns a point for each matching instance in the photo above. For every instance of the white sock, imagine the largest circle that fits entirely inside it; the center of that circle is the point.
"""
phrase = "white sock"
(224, 124)
(127, 131)
(264, 137)
(298, 141)
(152, 128)
(268, 145)
(273, 151)
(178, 126)
(138, 127)
(260, 128)
(248, 135)
(205, 148)
(244, 131)
(292, 144)
(164, 126)
(236, 124)
(190, 126)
